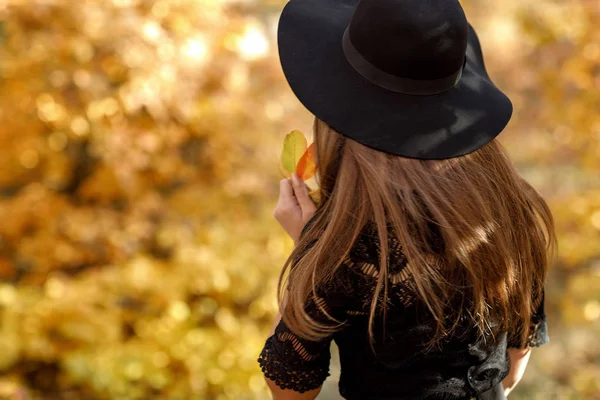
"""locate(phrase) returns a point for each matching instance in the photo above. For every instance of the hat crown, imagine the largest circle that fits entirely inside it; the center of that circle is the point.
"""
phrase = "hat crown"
(412, 39)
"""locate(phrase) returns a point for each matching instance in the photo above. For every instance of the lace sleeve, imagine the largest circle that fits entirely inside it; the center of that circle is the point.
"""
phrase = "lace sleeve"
(538, 329)
(296, 363)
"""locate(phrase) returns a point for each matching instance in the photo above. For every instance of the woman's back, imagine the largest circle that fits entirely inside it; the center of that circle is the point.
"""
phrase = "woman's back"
(400, 364)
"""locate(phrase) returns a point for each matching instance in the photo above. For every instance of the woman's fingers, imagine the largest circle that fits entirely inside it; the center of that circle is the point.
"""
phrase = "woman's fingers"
(294, 207)
(286, 192)
(306, 204)
(287, 200)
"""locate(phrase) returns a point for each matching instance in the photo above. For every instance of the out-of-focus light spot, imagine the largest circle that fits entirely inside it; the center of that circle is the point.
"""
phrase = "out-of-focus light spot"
(179, 311)
(80, 126)
(48, 109)
(83, 51)
(94, 110)
(596, 219)
(57, 141)
(274, 111)
(198, 384)
(591, 310)
(158, 380)
(253, 44)
(7, 294)
(134, 56)
(134, 370)
(203, 255)
(110, 105)
(151, 143)
(152, 30)
(55, 288)
(196, 49)
(168, 73)
(123, 3)
(215, 376)
(58, 78)
(181, 25)
(226, 321)
(503, 31)
(82, 78)
(220, 280)
(29, 158)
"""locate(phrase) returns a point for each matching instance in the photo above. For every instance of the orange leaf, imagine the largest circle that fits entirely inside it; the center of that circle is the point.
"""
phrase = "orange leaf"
(307, 165)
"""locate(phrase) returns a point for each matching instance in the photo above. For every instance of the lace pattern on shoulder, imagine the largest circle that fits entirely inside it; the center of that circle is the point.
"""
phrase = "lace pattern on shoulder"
(283, 364)
(363, 262)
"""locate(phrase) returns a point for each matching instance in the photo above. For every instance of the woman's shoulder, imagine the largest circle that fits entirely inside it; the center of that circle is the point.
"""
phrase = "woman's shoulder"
(366, 251)
(361, 268)
(358, 274)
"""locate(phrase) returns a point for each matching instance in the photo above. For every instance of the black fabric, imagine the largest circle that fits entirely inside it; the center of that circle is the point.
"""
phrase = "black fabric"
(449, 124)
(538, 330)
(495, 393)
(413, 39)
(396, 83)
(401, 368)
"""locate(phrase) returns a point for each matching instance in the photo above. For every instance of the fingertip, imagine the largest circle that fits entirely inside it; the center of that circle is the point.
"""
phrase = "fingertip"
(296, 179)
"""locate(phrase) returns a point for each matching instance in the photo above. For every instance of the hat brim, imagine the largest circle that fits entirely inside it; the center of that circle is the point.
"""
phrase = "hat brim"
(444, 125)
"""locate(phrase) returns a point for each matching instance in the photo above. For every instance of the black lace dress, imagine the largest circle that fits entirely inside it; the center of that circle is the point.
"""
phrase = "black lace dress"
(400, 368)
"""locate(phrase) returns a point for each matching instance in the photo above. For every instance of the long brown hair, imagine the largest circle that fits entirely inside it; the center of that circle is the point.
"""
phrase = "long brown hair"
(498, 234)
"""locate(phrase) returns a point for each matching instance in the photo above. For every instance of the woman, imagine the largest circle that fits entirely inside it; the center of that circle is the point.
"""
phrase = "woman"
(426, 258)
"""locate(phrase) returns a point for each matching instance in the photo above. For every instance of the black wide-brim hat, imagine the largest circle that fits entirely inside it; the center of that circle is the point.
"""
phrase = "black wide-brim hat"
(405, 77)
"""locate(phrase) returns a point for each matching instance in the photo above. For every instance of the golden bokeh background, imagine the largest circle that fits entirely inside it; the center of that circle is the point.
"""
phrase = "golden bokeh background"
(139, 142)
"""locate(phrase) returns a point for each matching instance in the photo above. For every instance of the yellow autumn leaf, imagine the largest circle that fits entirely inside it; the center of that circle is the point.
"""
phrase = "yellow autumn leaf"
(294, 146)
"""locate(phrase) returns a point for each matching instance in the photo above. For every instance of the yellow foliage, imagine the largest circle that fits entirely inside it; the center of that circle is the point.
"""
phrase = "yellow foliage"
(139, 144)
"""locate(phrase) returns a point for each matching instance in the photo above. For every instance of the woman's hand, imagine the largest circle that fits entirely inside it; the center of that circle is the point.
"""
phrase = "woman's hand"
(294, 207)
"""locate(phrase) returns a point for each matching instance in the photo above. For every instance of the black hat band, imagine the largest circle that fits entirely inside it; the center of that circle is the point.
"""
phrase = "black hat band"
(393, 82)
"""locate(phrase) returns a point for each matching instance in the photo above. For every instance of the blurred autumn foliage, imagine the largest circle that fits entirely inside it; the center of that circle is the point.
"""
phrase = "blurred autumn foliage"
(139, 143)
